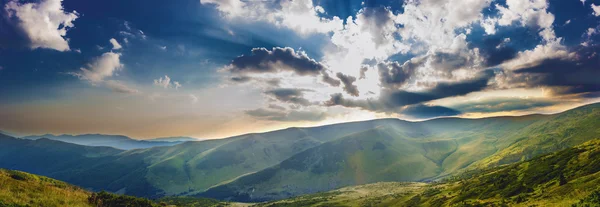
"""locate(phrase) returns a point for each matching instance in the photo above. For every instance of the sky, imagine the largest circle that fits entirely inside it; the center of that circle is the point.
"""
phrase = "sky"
(217, 68)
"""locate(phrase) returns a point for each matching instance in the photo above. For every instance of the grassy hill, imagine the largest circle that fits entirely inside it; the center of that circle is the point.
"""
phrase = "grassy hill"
(296, 161)
(415, 151)
(570, 177)
(24, 189)
(20, 189)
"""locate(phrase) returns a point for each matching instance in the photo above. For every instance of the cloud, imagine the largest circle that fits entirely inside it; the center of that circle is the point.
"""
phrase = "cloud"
(596, 9)
(329, 80)
(394, 75)
(278, 59)
(119, 87)
(278, 115)
(422, 111)
(115, 44)
(45, 23)
(299, 15)
(289, 95)
(102, 67)
(503, 104)
(566, 75)
(193, 98)
(165, 82)
(393, 100)
(240, 79)
(348, 81)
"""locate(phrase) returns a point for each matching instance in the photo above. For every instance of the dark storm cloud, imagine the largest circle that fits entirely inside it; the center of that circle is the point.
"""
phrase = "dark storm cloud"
(422, 111)
(392, 100)
(576, 75)
(504, 104)
(348, 81)
(264, 61)
(265, 114)
(289, 95)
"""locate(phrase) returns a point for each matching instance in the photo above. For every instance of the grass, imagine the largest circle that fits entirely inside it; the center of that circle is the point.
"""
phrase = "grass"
(24, 189)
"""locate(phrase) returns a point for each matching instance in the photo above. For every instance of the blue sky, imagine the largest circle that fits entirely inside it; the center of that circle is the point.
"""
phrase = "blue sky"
(215, 68)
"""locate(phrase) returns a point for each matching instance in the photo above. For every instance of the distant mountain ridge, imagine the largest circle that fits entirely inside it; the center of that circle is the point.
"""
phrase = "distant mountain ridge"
(116, 141)
(296, 161)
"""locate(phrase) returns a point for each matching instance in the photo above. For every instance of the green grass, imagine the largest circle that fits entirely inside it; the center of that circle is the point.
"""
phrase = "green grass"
(568, 177)
(24, 189)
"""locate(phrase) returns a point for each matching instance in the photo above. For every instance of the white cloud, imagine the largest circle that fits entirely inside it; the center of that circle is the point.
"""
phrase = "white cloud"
(163, 82)
(98, 71)
(531, 13)
(596, 9)
(298, 15)
(115, 44)
(101, 68)
(45, 23)
(193, 98)
(120, 87)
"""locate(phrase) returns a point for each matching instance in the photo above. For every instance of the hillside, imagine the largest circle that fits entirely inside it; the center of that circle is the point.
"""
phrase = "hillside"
(24, 189)
(296, 161)
(565, 178)
(116, 141)
(415, 151)
(20, 189)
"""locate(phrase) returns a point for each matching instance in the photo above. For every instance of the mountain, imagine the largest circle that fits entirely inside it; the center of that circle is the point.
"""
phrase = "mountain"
(414, 151)
(296, 161)
(568, 177)
(174, 139)
(116, 141)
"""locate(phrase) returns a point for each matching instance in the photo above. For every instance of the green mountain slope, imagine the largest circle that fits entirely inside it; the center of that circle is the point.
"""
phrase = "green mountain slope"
(414, 151)
(24, 189)
(294, 161)
(565, 178)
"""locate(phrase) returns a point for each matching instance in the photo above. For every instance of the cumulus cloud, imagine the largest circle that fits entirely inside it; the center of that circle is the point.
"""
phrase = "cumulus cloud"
(45, 23)
(165, 82)
(596, 9)
(104, 66)
(115, 44)
(299, 15)
(100, 69)
(348, 82)
(276, 60)
(294, 115)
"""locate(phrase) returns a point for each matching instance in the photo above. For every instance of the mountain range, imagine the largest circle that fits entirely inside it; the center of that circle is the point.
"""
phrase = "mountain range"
(116, 141)
(298, 161)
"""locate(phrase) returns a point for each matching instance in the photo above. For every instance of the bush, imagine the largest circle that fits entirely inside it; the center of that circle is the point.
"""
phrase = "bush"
(104, 199)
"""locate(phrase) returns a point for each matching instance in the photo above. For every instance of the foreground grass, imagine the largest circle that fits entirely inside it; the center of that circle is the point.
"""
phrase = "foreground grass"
(24, 189)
